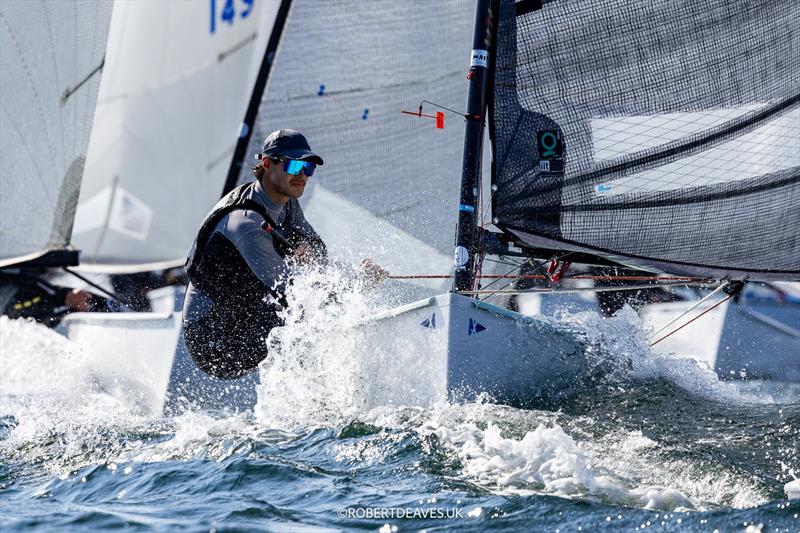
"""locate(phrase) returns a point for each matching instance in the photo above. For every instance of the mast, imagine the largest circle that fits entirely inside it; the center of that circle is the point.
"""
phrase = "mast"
(246, 131)
(467, 231)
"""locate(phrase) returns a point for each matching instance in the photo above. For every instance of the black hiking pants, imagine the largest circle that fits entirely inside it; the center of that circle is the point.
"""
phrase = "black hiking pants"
(228, 347)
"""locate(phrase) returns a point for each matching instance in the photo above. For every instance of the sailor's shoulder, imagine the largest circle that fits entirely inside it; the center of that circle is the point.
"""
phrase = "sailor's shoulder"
(240, 222)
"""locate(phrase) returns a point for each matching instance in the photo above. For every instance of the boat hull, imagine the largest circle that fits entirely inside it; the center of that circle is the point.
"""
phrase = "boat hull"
(738, 340)
(466, 348)
(447, 347)
(745, 340)
(129, 352)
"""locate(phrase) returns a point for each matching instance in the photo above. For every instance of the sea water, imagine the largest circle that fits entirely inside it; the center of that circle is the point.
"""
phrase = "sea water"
(658, 444)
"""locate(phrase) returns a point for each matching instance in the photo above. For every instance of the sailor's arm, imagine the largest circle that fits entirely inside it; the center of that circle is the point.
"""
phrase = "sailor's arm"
(256, 248)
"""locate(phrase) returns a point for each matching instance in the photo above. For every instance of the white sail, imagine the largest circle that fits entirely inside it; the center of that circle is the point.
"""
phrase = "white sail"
(179, 76)
(51, 57)
(389, 186)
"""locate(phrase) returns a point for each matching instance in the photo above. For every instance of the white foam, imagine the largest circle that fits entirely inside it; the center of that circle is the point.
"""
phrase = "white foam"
(34, 358)
(511, 451)
(43, 372)
(545, 461)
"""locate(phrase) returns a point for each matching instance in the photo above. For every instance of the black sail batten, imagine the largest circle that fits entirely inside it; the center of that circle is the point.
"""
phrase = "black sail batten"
(43, 259)
(240, 152)
(666, 141)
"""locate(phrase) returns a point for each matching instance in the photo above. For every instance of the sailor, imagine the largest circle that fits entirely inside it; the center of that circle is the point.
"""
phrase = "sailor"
(25, 293)
(238, 263)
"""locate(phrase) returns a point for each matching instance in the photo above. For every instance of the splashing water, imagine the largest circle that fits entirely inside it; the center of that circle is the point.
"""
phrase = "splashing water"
(47, 381)
(656, 435)
(620, 346)
(312, 373)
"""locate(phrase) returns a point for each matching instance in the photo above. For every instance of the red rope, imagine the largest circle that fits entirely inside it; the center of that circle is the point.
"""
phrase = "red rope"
(541, 276)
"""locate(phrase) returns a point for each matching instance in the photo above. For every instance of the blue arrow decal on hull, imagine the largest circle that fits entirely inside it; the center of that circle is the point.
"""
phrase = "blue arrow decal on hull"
(429, 323)
(474, 327)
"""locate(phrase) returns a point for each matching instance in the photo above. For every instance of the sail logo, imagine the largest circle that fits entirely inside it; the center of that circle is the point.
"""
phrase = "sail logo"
(551, 149)
(429, 323)
(549, 144)
(475, 327)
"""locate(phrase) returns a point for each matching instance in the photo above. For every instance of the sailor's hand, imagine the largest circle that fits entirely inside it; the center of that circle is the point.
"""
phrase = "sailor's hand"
(371, 274)
(304, 254)
(78, 300)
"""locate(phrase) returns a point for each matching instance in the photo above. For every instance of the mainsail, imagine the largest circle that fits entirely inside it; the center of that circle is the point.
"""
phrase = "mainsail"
(51, 57)
(664, 134)
(343, 73)
(177, 83)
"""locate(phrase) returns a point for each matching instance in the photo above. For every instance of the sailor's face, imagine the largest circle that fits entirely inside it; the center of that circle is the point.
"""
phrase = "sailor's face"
(285, 183)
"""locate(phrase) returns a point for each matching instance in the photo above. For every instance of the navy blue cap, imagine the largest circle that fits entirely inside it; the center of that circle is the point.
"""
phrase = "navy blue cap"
(290, 144)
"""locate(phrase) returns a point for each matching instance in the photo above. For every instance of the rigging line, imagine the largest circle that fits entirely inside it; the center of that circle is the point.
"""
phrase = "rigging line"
(692, 320)
(110, 294)
(422, 276)
(442, 107)
(640, 278)
(500, 262)
(508, 259)
(692, 308)
(495, 281)
(504, 276)
(538, 267)
(682, 280)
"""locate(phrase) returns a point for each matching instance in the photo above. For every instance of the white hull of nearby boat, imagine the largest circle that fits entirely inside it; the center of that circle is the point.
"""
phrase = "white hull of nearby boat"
(459, 348)
(752, 340)
(132, 352)
(455, 348)
(738, 340)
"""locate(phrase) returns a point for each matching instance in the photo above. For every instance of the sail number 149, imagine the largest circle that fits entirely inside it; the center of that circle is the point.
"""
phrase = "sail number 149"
(228, 11)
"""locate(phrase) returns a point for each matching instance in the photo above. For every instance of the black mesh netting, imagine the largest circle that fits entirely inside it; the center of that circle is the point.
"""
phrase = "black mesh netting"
(667, 131)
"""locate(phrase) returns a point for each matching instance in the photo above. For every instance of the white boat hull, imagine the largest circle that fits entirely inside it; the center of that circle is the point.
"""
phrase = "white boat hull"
(738, 340)
(448, 347)
(129, 351)
(746, 340)
(465, 348)
(457, 348)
